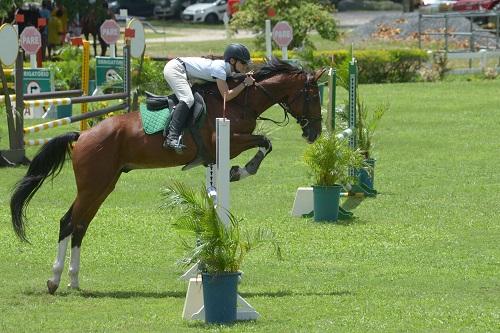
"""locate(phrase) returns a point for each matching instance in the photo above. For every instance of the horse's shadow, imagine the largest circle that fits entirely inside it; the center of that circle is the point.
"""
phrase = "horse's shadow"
(127, 294)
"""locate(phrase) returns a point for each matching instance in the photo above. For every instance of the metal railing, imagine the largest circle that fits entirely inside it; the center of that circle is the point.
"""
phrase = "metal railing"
(475, 35)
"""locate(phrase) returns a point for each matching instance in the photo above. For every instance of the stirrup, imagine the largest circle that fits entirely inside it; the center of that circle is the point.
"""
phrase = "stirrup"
(177, 146)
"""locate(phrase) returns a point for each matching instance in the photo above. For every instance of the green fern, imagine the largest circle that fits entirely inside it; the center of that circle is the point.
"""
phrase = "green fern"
(329, 160)
(207, 240)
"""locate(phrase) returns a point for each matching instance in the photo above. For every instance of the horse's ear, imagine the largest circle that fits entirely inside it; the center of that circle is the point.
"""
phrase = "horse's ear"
(318, 74)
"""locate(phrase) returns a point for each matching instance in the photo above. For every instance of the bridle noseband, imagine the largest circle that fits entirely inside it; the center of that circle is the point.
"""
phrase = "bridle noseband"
(305, 119)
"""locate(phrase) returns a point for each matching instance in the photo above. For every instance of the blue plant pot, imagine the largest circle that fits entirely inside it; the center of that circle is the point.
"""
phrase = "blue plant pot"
(366, 177)
(326, 202)
(220, 295)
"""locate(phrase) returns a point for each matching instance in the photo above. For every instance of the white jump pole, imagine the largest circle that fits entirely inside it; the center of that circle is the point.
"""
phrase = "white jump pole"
(217, 182)
(222, 168)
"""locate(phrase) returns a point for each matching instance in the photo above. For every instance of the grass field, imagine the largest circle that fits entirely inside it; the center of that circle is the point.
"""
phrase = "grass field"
(423, 256)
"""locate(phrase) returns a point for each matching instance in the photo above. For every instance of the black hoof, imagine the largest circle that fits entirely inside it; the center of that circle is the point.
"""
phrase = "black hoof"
(52, 287)
(234, 173)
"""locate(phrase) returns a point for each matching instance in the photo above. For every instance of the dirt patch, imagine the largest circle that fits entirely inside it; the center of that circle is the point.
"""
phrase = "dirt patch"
(404, 27)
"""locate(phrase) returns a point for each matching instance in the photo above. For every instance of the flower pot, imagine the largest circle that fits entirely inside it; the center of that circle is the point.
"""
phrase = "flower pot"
(366, 177)
(326, 202)
(220, 294)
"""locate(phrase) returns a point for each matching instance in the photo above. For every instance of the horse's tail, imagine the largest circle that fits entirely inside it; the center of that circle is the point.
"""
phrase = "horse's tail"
(48, 162)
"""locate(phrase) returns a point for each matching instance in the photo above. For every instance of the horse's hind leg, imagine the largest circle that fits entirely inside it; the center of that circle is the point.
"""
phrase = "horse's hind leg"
(75, 223)
(87, 206)
(65, 230)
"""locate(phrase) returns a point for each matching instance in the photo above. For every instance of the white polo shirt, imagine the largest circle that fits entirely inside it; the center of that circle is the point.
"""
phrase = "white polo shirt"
(206, 69)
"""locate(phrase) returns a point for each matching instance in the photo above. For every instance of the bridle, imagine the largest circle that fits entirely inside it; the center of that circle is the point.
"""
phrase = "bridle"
(305, 119)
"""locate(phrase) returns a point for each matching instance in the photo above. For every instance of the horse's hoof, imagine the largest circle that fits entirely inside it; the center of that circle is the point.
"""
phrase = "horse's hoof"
(52, 287)
(234, 173)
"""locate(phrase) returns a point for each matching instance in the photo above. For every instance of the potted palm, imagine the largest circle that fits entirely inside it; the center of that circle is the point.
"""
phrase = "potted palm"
(219, 249)
(367, 122)
(329, 159)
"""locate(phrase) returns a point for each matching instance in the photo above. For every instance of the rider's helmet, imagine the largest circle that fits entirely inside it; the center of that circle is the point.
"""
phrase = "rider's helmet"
(237, 51)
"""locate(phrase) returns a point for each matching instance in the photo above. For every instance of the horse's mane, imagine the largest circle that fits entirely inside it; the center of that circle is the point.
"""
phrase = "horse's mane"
(275, 66)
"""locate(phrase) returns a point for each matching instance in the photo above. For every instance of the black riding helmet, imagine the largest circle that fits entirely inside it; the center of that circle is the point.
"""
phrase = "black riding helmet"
(237, 51)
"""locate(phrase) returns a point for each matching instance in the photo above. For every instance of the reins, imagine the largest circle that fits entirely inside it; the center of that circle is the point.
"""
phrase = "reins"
(286, 118)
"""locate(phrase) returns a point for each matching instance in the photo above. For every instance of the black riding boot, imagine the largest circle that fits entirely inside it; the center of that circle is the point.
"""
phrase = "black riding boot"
(179, 117)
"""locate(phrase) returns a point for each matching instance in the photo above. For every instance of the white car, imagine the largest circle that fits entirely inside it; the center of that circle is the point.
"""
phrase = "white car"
(166, 8)
(208, 11)
(435, 6)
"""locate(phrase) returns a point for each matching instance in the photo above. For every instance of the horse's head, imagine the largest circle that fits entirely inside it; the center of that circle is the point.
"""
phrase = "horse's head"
(305, 106)
(297, 92)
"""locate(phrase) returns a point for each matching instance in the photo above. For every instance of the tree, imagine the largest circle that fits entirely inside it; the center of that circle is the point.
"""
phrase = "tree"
(7, 8)
(303, 15)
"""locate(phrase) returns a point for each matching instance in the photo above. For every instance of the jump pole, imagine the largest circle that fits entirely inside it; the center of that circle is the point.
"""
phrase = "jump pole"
(67, 120)
(217, 184)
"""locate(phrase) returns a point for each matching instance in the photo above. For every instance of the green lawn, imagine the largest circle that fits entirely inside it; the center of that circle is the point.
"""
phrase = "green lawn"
(421, 257)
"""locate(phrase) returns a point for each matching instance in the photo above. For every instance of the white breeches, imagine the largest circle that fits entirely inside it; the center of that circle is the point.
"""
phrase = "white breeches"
(176, 77)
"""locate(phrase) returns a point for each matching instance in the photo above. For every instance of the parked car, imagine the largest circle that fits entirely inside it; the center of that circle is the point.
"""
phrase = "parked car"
(208, 11)
(435, 6)
(472, 5)
(140, 8)
(171, 8)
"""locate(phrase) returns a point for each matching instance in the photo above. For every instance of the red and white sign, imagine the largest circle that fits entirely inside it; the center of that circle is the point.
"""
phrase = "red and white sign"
(31, 40)
(110, 31)
(282, 33)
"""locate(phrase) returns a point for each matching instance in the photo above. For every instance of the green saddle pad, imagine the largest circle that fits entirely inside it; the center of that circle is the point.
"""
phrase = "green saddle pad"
(154, 121)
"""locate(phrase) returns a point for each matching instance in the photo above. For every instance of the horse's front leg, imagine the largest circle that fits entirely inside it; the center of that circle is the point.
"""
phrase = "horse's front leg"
(242, 142)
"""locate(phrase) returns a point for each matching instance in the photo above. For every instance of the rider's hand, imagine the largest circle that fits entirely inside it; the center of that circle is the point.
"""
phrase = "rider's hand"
(248, 81)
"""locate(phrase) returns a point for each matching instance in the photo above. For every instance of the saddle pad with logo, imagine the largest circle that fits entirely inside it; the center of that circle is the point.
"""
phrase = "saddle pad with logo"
(154, 121)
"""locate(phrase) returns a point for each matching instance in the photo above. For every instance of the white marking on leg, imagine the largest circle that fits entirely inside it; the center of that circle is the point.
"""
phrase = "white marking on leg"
(74, 268)
(263, 150)
(243, 172)
(58, 266)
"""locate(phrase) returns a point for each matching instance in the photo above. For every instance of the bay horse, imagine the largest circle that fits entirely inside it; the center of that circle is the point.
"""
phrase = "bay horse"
(119, 144)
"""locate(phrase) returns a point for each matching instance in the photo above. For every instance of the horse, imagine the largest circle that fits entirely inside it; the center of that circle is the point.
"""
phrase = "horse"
(119, 144)
(91, 26)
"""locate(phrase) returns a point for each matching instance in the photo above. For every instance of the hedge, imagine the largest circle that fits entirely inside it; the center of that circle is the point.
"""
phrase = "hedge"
(375, 66)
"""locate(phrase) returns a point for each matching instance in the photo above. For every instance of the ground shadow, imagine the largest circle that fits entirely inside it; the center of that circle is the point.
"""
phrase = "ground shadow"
(118, 294)
(127, 294)
(286, 293)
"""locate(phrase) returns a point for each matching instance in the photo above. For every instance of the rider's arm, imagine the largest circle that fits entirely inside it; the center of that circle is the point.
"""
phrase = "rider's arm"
(224, 88)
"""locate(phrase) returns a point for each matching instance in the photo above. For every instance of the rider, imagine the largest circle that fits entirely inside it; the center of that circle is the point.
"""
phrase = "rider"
(180, 73)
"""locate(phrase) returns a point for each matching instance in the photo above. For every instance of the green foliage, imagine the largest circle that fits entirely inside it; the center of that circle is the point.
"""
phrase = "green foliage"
(218, 248)
(367, 119)
(303, 15)
(329, 159)
(7, 7)
(68, 69)
(375, 66)
(367, 122)
(149, 77)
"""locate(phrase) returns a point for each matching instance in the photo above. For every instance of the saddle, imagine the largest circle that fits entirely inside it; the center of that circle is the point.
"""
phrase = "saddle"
(160, 104)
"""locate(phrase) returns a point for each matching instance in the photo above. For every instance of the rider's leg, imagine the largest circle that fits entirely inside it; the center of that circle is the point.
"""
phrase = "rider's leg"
(177, 122)
(176, 77)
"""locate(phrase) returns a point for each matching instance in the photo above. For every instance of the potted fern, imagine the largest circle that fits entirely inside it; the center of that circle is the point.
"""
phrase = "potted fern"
(367, 122)
(218, 249)
(329, 159)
